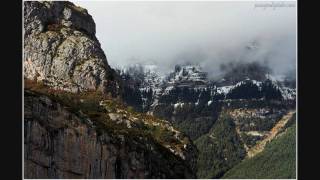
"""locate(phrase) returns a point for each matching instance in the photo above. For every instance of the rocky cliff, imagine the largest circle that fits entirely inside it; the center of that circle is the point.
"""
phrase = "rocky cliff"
(72, 128)
(62, 144)
(60, 48)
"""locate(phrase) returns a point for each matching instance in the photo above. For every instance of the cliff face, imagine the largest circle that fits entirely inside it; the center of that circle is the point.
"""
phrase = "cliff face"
(60, 48)
(60, 144)
(73, 137)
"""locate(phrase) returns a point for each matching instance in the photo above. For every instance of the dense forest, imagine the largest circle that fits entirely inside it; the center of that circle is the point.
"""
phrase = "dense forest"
(220, 149)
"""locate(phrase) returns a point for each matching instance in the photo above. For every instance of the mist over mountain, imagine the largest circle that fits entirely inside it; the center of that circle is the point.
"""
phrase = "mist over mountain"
(205, 33)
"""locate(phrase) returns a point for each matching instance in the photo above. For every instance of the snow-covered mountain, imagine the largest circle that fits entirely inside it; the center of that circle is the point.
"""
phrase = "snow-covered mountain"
(190, 84)
(186, 97)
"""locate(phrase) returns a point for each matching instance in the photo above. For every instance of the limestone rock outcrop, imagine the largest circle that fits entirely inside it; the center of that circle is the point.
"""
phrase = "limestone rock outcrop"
(60, 48)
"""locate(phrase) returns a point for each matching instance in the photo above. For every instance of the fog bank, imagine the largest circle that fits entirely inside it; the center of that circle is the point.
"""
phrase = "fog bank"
(205, 33)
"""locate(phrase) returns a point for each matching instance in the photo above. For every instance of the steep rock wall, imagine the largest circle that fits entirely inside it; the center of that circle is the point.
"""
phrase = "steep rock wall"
(60, 144)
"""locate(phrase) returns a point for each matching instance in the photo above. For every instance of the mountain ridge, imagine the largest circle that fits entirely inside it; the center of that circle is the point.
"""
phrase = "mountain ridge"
(193, 78)
(253, 106)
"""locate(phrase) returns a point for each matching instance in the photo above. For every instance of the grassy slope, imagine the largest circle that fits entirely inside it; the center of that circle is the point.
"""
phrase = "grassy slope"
(278, 160)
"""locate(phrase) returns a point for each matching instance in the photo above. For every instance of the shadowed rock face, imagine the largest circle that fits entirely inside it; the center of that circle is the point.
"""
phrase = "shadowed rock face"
(60, 48)
(60, 144)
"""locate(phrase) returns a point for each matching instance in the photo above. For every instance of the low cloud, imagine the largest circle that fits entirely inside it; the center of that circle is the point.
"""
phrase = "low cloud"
(205, 33)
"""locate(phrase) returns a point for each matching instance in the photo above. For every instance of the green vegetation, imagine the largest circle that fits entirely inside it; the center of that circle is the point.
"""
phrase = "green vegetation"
(278, 160)
(220, 149)
(247, 90)
(196, 127)
(193, 120)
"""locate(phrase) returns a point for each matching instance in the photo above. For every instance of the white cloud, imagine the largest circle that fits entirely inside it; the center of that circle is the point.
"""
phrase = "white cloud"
(206, 32)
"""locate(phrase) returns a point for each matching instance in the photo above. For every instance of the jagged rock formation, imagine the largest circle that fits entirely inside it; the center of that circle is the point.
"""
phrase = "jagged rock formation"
(60, 48)
(61, 144)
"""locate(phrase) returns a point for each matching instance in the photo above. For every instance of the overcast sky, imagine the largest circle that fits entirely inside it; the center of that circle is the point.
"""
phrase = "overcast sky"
(207, 33)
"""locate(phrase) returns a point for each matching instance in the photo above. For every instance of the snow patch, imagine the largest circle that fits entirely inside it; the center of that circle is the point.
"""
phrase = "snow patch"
(288, 93)
(179, 104)
(224, 89)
